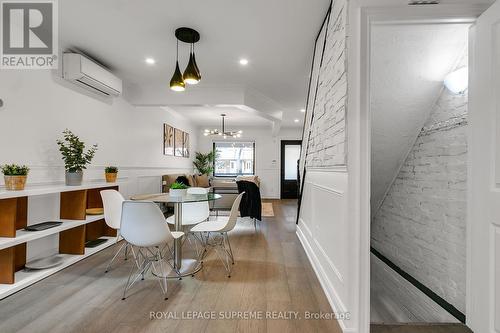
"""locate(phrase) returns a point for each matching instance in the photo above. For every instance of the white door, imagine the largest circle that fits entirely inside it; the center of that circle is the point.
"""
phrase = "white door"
(483, 283)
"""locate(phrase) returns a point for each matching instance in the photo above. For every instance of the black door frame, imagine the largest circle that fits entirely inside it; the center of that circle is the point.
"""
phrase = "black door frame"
(282, 163)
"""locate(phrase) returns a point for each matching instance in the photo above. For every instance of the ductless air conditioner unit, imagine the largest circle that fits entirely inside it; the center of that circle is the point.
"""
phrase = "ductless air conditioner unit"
(88, 74)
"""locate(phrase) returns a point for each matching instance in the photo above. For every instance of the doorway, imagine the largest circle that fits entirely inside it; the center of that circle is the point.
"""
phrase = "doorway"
(418, 173)
(290, 155)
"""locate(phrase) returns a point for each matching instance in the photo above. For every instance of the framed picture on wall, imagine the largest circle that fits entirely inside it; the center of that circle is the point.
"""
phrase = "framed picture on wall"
(168, 140)
(186, 144)
(179, 142)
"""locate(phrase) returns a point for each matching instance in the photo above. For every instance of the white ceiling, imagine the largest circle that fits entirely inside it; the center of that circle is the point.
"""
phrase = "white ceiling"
(409, 63)
(209, 116)
(277, 38)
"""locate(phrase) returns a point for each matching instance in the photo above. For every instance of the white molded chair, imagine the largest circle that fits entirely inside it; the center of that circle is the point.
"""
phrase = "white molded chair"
(143, 226)
(192, 214)
(221, 225)
(112, 201)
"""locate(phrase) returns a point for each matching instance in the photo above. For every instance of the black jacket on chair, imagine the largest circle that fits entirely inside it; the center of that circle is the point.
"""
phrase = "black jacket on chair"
(251, 204)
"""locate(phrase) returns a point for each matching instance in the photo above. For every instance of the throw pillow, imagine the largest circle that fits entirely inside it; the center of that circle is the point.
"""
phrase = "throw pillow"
(191, 180)
(202, 181)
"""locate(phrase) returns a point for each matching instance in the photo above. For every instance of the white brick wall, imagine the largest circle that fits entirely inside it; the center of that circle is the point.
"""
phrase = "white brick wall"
(327, 144)
(421, 223)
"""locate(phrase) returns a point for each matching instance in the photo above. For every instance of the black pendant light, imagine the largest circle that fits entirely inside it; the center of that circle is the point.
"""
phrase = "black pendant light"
(191, 73)
(177, 82)
(196, 66)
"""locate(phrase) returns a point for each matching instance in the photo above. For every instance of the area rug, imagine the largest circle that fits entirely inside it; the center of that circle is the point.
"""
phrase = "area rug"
(267, 209)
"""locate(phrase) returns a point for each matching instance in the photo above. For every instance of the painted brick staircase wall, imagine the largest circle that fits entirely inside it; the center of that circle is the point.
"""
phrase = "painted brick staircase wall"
(420, 225)
(328, 135)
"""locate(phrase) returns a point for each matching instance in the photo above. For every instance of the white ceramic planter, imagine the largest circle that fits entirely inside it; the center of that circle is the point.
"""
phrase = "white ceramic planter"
(176, 192)
(74, 178)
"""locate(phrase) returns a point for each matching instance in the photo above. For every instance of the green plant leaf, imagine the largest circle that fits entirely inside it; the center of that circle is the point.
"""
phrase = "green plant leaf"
(73, 152)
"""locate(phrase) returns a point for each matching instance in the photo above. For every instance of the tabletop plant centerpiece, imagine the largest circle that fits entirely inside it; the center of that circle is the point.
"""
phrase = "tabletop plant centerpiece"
(111, 172)
(15, 176)
(178, 189)
(75, 157)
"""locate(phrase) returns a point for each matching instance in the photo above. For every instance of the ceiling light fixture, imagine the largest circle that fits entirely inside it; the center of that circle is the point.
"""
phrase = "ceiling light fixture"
(243, 62)
(225, 134)
(192, 73)
(177, 82)
(296, 120)
(458, 81)
(150, 61)
(302, 110)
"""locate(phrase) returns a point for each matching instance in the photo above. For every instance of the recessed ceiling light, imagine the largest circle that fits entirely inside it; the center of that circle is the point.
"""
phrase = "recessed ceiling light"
(302, 110)
(244, 62)
(150, 61)
(296, 120)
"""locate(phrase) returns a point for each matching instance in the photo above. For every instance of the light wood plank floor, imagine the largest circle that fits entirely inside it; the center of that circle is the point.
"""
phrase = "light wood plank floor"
(395, 300)
(272, 273)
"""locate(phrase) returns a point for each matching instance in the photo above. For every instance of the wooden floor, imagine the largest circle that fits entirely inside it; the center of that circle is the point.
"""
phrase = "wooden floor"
(272, 273)
(395, 300)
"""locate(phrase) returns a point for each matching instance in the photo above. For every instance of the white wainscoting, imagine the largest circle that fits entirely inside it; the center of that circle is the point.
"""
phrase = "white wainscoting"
(324, 232)
(496, 278)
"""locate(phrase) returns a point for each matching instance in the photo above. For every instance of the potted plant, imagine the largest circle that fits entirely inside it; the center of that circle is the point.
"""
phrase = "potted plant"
(178, 189)
(204, 162)
(111, 172)
(75, 157)
(15, 176)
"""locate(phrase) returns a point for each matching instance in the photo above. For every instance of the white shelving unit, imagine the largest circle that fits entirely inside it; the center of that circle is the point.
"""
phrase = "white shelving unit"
(25, 278)
(72, 233)
(32, 190)
(23, 236)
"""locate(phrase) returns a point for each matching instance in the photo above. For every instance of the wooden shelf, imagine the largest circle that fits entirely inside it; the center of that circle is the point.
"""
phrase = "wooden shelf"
(23, 236)
(13, 215)
(24, 278)
(76, 229)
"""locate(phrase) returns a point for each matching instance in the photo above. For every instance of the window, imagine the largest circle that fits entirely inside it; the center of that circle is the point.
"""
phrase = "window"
(234, 158)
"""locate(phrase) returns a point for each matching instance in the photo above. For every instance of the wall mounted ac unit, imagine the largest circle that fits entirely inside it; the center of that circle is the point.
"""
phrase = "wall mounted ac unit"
(88, 74)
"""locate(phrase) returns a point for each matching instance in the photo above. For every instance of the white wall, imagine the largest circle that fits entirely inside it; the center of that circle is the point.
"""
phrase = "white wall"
(267, 154)
(326, 227)
(419, 56)
(38, 106)
(420, 225)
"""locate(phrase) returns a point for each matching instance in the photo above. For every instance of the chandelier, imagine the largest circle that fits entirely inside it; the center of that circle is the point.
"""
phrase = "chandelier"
(225, 134)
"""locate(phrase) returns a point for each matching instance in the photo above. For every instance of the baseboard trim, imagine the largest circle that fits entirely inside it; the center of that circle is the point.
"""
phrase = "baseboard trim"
(420, 286)
(326, 285)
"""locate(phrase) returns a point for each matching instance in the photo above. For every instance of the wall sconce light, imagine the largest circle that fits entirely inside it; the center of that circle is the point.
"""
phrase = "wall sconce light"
(458, 81)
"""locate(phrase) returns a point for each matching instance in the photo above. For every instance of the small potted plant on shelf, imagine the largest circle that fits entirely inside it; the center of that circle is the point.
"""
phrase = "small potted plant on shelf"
(15, 176)
(75, 157)
(178, 189)
(111, 172)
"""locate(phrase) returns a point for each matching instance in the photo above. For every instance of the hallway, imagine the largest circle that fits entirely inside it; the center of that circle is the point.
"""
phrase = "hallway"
(271, 273)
